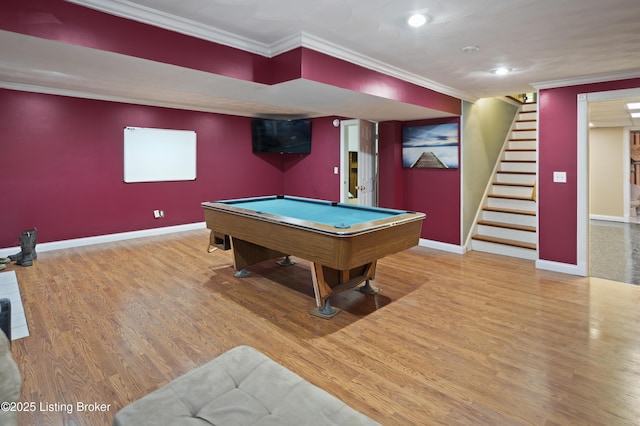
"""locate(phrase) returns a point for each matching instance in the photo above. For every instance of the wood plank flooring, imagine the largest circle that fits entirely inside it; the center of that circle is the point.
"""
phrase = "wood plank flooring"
(458, 340)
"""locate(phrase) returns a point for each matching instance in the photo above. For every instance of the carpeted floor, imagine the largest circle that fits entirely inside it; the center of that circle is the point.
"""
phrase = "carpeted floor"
(614, 250)
(9, 289)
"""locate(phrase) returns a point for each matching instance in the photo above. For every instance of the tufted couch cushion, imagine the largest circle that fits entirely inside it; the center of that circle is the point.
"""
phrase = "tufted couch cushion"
(240, 387)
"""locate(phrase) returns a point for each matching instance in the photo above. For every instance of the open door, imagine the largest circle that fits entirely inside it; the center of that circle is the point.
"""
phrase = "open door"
(367, 164)
(358, 159)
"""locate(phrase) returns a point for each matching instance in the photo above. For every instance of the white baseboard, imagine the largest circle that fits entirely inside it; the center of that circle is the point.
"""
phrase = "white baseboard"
(565, 268)
(100, 239)
(609, 218)
(441, 246)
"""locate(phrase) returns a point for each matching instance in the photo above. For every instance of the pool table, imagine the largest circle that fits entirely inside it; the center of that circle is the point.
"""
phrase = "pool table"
(342, 241)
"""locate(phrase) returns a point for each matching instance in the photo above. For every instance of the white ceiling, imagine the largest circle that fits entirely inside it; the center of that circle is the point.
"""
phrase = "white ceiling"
(544, 42)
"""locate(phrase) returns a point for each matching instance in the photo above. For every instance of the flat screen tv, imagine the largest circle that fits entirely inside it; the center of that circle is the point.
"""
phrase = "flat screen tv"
(281, 136)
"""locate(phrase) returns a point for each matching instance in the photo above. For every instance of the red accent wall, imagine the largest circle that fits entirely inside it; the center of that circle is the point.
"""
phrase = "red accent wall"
(435, 192)
(70, 23)
(323, 68)
(390, 184)
(62, 167)
(558, 151)
(312, 175)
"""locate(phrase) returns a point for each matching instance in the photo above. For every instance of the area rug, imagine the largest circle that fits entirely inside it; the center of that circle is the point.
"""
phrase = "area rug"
(9, 289)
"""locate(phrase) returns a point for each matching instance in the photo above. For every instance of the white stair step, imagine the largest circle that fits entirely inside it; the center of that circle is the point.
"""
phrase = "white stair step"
(525, 125)
(529, 107)
(518, 166)
(504, 250)
(512, 190)
(508, 216)
(522, 144)
(523, 134)
(533, 115)
(497, 231)
(520, 154)
(510, 177)
(511, 203)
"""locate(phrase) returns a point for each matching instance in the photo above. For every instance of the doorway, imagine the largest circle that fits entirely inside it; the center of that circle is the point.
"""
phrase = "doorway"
(358, 160)
(605, 244)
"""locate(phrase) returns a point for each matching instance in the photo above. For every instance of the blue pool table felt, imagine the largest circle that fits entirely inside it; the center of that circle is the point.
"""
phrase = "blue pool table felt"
(341, 216)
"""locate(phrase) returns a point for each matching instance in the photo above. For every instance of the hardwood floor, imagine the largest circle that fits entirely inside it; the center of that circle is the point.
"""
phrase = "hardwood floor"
(474, 339)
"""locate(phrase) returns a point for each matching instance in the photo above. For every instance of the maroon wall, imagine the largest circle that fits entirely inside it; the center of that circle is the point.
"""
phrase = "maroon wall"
(323, 68)
(435, 192)
(558, 151)
(62, 167)
(69, 23)
(390, 182)
(312, 175)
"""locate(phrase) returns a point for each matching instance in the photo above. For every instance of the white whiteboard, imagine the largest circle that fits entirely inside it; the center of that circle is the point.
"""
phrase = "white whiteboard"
(156, 155)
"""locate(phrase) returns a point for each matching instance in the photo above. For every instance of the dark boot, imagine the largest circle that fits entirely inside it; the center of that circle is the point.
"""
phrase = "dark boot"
(25, 250)
(34, 237)
(33, 233)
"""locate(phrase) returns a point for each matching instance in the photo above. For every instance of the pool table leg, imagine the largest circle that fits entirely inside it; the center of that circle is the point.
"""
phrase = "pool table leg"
(367, 288)
(325, 311)
(287, 261)
(242, 273)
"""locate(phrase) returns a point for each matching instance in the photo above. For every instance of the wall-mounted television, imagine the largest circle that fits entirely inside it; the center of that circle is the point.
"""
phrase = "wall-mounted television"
(281, 136)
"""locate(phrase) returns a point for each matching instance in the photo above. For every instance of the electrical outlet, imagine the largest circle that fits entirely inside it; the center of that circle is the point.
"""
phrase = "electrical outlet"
(156, 214)
(560, 177)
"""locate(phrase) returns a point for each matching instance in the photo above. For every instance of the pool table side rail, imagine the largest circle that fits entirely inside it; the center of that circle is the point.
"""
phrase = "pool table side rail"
(364, 227)
(341, 252)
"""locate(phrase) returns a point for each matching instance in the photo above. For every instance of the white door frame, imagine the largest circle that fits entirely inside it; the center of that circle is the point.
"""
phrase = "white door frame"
(583, 169)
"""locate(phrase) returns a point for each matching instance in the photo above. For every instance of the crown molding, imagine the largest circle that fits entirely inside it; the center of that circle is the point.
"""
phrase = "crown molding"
(307, 40)
(128, 10)
(83, 94)
(590, 79)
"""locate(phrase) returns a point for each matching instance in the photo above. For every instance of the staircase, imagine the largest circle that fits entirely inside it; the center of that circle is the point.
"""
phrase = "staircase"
(507, 223)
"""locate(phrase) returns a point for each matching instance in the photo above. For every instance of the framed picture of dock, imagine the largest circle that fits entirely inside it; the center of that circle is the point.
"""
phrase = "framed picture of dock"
(433, 146)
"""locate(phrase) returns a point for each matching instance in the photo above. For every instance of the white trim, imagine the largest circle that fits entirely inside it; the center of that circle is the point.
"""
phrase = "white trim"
(100, 239)
(320, 45)
(590, 79)
(608, 218)
(564, 268)
(582, 185)
(452, 248)
(82, 94)
(146, 15)
(129, 10)
(583, 173)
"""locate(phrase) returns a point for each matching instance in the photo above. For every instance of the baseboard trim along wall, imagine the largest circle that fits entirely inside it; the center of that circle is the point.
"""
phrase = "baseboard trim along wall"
(441, 246)
(100, 239)
(564, 268)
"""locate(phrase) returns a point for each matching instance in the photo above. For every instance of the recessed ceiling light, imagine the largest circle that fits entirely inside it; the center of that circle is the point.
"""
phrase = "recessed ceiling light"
(417, 20)
(633, 105)
(470, 49)
(501, 71)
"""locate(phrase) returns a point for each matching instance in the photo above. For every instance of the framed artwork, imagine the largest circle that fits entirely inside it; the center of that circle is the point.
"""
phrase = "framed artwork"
(433, 146)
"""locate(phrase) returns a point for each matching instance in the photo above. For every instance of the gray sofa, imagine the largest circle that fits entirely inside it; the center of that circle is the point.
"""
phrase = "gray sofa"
(240, 387)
